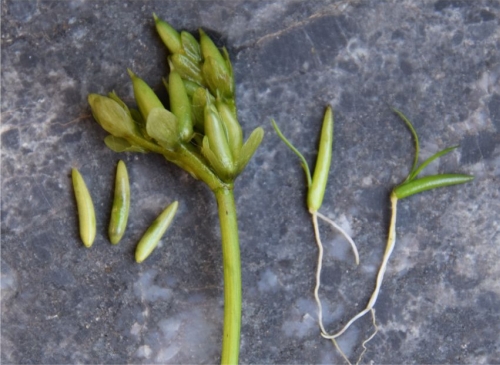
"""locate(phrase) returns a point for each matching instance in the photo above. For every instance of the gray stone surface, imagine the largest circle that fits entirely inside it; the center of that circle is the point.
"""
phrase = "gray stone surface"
(438, 61)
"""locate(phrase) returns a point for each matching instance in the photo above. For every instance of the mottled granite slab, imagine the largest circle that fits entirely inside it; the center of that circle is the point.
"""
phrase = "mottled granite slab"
(438, 61)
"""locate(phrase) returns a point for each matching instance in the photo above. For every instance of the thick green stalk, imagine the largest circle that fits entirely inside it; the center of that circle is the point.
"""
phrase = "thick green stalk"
(232, 275)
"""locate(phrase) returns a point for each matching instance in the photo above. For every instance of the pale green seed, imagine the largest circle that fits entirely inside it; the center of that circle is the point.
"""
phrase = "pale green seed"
(209, 49)
(233, 128)
(180, 105)
(111, 116)
(217, 78)
(186, 68)
(86, 213)
(201, 98)
(191, 46)
(249, 148)
(217, 138)
(144, 96)
(170, 37)
(163, 127)
(154, 233)
(121, 204)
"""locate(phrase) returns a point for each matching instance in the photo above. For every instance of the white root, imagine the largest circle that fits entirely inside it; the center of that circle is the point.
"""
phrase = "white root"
(363, 344)
(344, 233)
(341, 352)
(380, 276)
(315, 215)
(369, 338)
(318, 272)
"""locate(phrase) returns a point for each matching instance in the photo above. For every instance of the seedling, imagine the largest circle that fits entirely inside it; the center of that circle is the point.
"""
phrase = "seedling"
(410, 186)
(200, 134)
(316, 192)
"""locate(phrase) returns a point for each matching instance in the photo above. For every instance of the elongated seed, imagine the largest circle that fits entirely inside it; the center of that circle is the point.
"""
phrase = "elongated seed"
(144, 95)
(430, 182)
(86, 213)
(191, 46)
(209, 49)
(154, 233)
(317, 190)
(180, 105)
(121, 204)
(215, 131)
(170, 37)
(186, 68)
(233, 128)
(217, 78)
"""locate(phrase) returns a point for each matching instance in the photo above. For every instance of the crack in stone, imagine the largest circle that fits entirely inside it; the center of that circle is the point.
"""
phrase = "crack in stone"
(335, 9)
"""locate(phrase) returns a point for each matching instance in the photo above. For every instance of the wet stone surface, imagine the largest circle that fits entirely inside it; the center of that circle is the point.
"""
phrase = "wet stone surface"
(437, 61)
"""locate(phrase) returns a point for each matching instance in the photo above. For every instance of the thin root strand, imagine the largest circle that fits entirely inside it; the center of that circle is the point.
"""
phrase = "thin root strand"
(341, 352)
(344, 233)
(380, 276)
(369, 338)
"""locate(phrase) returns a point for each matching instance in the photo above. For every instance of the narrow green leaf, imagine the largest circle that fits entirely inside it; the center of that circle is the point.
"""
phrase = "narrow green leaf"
(429, 160)
(303, 161)
(429, 182)
(415, 137)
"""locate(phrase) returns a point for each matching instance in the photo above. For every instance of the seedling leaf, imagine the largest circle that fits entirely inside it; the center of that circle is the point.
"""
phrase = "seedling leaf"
(303, 161)
(416, 186)
(429, 160)
(414, 133)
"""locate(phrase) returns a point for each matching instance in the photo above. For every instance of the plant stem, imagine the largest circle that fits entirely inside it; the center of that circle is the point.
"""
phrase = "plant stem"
(232, 275)
(187, 159)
